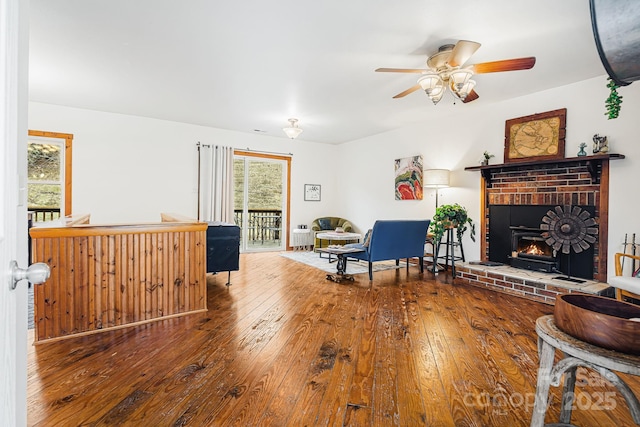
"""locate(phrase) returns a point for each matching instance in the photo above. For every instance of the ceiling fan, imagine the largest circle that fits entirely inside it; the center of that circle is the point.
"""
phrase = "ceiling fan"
(446, 69)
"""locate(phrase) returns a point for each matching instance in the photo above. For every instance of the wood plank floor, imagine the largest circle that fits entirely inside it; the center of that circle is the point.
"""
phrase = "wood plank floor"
(284, 347)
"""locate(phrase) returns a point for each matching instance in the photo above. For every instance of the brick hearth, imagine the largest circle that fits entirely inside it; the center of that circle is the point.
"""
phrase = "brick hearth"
(528, 284)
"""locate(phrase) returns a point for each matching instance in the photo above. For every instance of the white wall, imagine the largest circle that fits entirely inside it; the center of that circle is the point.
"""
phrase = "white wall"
(129, 169)
(458, 141)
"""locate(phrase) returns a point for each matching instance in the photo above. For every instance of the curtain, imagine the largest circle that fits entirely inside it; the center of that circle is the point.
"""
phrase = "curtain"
(216, 183)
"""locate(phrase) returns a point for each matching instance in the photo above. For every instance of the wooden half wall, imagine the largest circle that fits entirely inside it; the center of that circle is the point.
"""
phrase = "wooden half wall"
(113, 276)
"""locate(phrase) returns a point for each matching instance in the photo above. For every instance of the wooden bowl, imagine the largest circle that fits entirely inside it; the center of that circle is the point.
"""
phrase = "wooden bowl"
(600, 321)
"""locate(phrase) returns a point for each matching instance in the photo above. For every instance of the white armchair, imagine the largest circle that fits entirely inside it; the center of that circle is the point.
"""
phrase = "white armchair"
(626, 286)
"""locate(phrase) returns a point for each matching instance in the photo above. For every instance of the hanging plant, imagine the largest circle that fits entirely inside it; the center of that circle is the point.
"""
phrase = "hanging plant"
(452, 216)
(613, 101)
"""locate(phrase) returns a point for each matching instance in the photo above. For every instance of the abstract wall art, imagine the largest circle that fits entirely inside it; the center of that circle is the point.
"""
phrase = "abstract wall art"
(409, 178)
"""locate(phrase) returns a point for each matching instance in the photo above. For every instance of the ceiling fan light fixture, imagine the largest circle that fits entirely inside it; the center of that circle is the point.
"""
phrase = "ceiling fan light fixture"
(447, 70)
(466, 90)
(437, 97)
(431, 83)
(437, 91)
(292, 131)
(459, 78)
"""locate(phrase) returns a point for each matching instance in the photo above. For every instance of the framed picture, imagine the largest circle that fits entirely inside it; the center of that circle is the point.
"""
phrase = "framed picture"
(408, 178)
(536, 137)
(312, 192)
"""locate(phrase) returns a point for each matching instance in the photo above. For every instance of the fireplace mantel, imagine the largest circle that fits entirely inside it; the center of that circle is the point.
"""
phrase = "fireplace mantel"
(592, 165)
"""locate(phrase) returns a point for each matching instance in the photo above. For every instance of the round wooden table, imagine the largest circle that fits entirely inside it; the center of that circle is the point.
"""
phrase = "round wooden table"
(576, 353)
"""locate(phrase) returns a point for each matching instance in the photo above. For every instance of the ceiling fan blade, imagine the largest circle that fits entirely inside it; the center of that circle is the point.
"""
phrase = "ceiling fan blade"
(462, 52)
(407, 92)
(504, 65)
(473, 95)
(400, 70)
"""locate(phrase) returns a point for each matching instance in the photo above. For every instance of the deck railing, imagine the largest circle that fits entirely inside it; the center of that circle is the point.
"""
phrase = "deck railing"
(44, 214)
(263, 225)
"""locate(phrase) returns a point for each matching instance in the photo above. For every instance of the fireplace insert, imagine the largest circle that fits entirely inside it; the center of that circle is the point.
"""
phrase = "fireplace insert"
(526, 219)
(530, 251)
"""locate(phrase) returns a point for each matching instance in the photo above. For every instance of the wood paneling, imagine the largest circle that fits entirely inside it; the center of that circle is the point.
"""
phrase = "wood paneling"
(106, 277)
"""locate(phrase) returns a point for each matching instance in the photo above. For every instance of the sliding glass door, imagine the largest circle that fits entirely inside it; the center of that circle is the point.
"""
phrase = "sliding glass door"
(260, 201)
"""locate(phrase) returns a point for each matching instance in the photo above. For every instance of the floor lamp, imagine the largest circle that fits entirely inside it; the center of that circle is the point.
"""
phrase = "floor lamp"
(436, 178)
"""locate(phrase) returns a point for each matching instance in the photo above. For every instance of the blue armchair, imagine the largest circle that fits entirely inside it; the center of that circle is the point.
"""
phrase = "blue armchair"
(393, 239)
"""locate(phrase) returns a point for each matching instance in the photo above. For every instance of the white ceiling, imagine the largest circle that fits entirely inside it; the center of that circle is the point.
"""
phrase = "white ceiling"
(248, 65)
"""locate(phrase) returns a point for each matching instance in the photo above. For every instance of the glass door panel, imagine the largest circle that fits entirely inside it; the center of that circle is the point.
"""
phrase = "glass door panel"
(45, 178)
(259, 202)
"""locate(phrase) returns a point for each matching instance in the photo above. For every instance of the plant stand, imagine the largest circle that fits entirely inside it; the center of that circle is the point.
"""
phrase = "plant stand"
(450, 244)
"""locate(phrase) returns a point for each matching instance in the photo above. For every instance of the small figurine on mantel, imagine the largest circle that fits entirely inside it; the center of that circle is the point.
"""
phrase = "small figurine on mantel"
(582, 146)
(600, 144)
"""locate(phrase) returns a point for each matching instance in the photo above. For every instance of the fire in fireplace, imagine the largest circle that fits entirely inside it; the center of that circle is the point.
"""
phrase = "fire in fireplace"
(530, 251)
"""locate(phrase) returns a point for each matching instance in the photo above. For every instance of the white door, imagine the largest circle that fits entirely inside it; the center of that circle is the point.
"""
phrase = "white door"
(13, 213)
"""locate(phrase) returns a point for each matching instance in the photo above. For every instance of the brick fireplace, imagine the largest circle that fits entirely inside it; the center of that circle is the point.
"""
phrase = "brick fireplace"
(539, 186)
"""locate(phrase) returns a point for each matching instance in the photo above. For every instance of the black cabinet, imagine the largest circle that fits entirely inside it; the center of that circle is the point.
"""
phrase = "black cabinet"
(223, 248)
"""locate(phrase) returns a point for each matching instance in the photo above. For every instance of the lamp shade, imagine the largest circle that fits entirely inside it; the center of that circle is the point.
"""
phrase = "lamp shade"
(436, 178)
(459, 78)
(292, 132)
(466, 89)
(431, 83)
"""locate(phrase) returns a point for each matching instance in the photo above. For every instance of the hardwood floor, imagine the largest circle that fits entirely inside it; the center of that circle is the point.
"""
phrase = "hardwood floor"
(284, 347)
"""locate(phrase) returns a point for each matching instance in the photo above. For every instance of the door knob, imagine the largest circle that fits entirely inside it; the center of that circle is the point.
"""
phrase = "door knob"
(36, 273)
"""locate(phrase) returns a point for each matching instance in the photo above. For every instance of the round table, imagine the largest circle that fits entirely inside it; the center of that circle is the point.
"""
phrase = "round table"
(576, 353)
(335, 236)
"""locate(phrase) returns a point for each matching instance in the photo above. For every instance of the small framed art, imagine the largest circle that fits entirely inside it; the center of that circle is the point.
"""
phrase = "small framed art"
(312, 192)
(536, 137)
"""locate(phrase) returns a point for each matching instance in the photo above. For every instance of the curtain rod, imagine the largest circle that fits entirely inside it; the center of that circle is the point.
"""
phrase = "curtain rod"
(199, 144)
(268, 152)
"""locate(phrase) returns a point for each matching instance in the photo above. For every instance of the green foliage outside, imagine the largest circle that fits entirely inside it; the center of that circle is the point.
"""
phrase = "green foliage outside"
(43, 176)
(265, 185)
(44, 196)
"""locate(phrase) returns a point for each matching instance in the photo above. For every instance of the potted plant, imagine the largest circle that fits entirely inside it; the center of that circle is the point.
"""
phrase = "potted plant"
(485, 158)
(451, 216)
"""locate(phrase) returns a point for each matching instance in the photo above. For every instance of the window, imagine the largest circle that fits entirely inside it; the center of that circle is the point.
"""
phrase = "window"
(49, 174)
